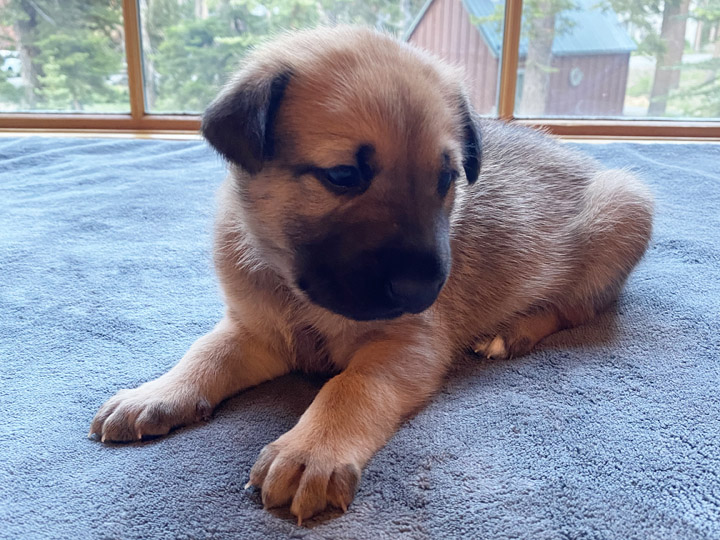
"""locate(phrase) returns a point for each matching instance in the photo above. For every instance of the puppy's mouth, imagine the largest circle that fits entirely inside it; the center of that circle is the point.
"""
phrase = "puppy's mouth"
(384, 307)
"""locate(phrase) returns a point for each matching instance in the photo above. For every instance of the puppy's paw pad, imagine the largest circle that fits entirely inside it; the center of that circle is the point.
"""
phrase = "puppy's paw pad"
(491, 348)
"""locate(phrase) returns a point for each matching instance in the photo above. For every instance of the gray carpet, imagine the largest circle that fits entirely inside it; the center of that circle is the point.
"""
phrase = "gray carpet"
(608, 431)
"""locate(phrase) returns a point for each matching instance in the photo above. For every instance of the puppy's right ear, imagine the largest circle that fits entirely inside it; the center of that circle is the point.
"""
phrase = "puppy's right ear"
(239, 123)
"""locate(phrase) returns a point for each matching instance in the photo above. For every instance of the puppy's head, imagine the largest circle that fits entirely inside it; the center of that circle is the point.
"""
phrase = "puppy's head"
(345, 146)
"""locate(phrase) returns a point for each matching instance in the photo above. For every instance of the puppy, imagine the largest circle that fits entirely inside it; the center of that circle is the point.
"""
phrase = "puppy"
(359, 233)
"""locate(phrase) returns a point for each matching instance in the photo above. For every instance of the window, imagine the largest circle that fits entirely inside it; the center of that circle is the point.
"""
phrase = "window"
(578, 66)
(191, 47)
(620, 58)
(62, 56)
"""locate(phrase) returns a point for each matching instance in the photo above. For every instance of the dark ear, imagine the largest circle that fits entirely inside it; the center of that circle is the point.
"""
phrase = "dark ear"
(239, 122)
(472, 147)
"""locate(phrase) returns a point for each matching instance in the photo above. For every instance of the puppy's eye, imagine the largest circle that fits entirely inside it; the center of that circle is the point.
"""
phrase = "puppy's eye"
(344, 176)
(348, 180)
(447, 177)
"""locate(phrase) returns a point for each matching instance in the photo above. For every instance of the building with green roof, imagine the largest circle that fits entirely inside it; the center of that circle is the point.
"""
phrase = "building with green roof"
(589, 61)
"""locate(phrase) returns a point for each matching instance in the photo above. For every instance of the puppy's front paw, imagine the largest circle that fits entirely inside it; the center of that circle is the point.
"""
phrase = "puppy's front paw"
(151, 410)
(310, 475)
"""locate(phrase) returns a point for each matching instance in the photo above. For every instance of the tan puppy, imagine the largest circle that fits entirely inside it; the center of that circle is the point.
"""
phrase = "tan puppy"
(359, 234)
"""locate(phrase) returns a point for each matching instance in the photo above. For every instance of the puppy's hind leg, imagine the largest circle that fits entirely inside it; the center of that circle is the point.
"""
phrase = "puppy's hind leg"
(521, 335)
(613, 230)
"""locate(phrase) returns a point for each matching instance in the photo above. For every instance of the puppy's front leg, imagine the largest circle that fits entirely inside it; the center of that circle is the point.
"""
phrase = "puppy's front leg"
(218, 365)
(318, 462)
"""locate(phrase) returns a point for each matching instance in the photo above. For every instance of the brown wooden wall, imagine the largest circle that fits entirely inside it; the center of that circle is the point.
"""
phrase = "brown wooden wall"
(446, 31)
(601, 91)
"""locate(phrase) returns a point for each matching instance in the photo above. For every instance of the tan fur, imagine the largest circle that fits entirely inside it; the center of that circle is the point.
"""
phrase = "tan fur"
(543, 240)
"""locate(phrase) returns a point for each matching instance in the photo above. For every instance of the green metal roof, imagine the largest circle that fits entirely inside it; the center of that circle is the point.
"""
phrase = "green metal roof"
(590, 28)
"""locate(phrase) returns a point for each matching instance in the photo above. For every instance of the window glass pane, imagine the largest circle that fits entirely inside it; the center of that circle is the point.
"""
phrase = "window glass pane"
(620, 58)
(468, 34)
(62, 55)
(191, 46)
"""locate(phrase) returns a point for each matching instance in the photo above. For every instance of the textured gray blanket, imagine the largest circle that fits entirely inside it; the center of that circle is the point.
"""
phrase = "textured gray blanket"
(607, 431)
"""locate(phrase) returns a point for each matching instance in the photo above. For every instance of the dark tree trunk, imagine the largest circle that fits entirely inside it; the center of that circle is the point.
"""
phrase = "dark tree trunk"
(667, 74)
(538, 65)
(27, 52)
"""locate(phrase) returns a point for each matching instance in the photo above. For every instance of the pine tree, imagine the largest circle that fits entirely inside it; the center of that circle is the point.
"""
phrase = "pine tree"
(69, 51)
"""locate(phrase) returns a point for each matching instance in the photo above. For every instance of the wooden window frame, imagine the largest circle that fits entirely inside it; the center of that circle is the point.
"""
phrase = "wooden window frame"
(139, 120)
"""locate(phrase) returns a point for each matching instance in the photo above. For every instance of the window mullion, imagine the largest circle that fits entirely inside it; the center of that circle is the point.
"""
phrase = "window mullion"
(131, 23)
(509, 59)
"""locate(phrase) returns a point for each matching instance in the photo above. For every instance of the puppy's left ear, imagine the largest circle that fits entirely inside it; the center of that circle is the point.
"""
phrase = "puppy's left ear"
(472, 139)
(239, 123)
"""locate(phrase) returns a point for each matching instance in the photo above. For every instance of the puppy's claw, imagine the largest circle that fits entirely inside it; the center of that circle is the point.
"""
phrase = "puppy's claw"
(248, 485)
(102, 439)
(481, 346)
(497, 347)
(299, 521)
(343, 506)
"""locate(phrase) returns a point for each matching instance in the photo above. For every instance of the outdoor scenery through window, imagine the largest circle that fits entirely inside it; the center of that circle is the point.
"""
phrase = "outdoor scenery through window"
(577, 58)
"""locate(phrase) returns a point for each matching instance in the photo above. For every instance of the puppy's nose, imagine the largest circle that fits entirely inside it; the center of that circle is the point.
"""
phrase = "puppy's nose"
(415, 294)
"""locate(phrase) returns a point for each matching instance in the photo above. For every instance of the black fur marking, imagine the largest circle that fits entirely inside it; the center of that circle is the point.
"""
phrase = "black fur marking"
(472, 143)
(363, 280)
(277, 91)
(240, 125)
(363, 156)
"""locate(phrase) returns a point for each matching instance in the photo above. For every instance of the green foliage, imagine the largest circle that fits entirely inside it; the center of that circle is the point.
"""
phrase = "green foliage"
(699, 91)
(8, 90)
(641, 15)
(188, 58)
(75, 71)
(701, 97)
(190, 46)
(192, 62)
(641, 87)
(532, 11)
(75, 50)
(539, 9)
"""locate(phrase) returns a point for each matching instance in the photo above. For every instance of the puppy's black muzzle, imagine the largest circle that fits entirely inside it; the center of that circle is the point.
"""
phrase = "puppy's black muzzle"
(379, 284)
